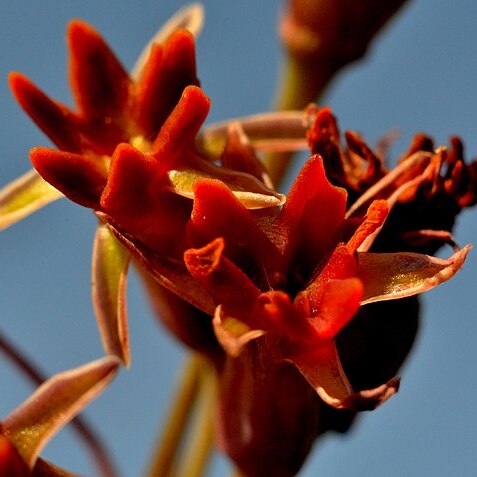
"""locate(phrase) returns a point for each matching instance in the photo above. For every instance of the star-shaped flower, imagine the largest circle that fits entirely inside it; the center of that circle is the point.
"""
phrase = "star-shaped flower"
(125, 125)
(276, 279)
(424, 214)
(281, 283)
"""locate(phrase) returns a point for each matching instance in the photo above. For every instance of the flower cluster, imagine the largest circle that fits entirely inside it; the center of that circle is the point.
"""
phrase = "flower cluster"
(271, 288)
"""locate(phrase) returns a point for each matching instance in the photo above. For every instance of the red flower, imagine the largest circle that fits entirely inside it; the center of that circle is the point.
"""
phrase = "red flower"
(280, 282)
(437, 183)
(112, 108)
(127, 133)
(440, 184)
(285, 286)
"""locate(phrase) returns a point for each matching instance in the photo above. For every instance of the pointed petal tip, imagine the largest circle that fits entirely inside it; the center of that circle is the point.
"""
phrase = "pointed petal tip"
(232, 334)
(372, 398)
(78, 177)
(23, 196)
(23, 89)
(190, 17)
(108, 364)
(251, 200)
(40, 157)
(390, 276)
(58, 400)
(181, 38)
(366, 400)
(184, 122)
(202, 262)
(78, 30)
(195, 94)
(99, 82)
(79, 33)
(17, 81)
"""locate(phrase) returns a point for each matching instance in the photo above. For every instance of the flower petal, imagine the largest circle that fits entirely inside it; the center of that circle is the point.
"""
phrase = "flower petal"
(99, 83)
(174, 149)
(217, 213)
(59, 123)
(137, 197)
(233, 334)
(226, 283)
(322, 369)
(131, 177)
(275, 313)
(398, 179)
(81, 178)
(312, 215)
(190, 17)
(169, 69)
(338, 303)
(239, 155)
(182, 125)
(25, 195)
(341, 265)
(247, 189)
(365, 234)
(278, 131)
(369, 165)
(109, 275)
(55, 403)
(166, 271)
(324, 139)
(370, 399)
(388, 276)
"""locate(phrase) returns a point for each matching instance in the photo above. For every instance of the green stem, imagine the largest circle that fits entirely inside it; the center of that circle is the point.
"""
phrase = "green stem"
(201, 440)
(178, 418)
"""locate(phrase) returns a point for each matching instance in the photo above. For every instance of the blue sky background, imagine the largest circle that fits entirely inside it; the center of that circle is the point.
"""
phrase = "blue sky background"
(419, 76)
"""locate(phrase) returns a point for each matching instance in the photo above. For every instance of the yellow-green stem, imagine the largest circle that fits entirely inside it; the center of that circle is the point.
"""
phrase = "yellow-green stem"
(201, 440)
(178, 418)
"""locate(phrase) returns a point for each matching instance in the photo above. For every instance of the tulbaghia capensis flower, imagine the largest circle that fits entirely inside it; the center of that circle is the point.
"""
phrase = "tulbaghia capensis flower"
(25, 432)
(439, 185)
(285, 286)
(424, 214)
(280, 284)
(112, 107)
(279, 280)
(123, 127)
